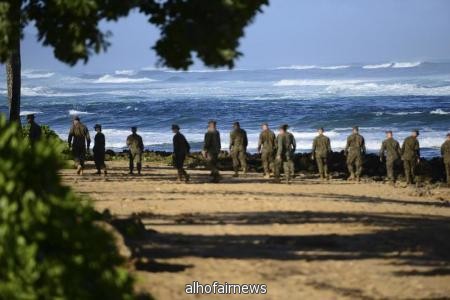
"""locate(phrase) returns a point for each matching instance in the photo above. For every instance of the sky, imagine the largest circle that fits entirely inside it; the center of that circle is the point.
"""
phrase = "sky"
(290, 32)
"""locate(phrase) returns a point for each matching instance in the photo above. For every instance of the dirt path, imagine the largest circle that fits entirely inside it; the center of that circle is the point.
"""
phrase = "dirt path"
(305, 241)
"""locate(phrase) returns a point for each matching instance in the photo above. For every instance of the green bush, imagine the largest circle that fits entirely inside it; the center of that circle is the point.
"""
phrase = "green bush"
(50, 244)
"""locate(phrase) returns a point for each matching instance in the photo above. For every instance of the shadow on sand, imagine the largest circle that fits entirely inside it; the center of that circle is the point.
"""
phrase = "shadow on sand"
(403, 239)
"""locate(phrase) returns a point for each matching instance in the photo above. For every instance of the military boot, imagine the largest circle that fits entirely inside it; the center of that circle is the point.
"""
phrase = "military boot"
(80, 170)
(352, 177)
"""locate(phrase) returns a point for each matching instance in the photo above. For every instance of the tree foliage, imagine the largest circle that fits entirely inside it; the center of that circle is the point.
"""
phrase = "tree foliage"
(51, 247)
(209, 28)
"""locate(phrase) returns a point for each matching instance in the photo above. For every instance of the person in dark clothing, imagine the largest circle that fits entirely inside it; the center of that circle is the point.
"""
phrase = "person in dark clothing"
(35, 132)
(79, 141)
(99, 149)
(181, 148)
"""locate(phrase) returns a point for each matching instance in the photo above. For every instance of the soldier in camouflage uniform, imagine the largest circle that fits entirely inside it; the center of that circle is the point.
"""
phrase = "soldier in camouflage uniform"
(445, 151)
(320, 150)
(211, 149)
(136, 147)
(391, 148)
(285, 154)
(181, 148)
(355, 151)
(411, 156)
(35, 132)
(99, 150)
(238, 148)
(267, 148)
(79, 141)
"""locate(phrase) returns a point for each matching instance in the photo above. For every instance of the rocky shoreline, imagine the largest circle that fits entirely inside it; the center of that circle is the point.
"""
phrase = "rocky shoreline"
(428, 171)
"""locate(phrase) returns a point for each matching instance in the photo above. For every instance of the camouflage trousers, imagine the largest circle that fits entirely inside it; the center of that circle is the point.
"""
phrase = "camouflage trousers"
(390, 166)
(410, 170)
(288, 168)
(447, 171)
(239, 157)
(354, 165)
(135, 157)
(267, 158)
(212, 164)
(322, 166)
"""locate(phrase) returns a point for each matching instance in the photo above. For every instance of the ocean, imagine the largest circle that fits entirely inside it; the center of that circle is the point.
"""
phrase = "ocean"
(398, 96)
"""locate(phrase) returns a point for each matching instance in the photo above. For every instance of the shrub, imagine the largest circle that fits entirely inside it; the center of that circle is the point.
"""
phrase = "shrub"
(50, 244)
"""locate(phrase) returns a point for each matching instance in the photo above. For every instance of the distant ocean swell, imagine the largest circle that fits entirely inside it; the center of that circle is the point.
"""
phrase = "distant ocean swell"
(378, 96)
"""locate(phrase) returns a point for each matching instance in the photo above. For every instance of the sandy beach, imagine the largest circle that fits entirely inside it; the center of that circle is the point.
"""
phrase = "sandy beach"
(307, 240)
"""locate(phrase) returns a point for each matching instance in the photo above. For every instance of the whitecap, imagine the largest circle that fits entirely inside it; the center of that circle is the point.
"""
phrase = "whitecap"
(379, 66)
(74, 112)
(29, 112)
(398, 65)
(36, 74)
(314, 82)
(335, 67)
(125, 72)
(113, 79)
(297, 67)
(439, 112)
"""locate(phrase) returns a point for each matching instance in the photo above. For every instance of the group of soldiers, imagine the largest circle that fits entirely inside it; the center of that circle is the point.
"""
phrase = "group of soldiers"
(277, 151)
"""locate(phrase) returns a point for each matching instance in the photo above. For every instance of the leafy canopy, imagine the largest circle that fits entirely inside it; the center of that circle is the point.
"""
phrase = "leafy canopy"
(209, 28)
(51, 246)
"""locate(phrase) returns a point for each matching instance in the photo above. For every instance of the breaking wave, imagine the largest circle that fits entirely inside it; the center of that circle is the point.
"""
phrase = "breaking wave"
(74, 112)
(379, 66)
(113, 79)
(440, 112)
(125, 72)
(398, 65)
(35, 74)
(310, 67)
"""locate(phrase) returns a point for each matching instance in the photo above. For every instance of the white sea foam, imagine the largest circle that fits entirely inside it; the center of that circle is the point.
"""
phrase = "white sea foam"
(39, 91)
(335, 67)
(398, 65)
(309, 67)
(74, 112)
(29, 112)
(297, 67)
(387, 89)
(315, 82)
(115, 138)
(36, 74)
(439, 112)
(379, 66)
(116, 80)
(125, 72)
(401, 113)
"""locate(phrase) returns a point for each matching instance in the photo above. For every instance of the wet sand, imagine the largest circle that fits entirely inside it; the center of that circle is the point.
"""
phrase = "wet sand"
(307, 240)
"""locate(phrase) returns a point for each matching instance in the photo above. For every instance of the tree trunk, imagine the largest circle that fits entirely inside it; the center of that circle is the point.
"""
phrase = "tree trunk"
(13, 74)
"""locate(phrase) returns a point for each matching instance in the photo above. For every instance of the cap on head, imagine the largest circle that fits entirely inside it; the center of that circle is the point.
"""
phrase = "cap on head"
(284, 127)
(448, 134)
(97, 126)
(236, 124)
(30, 117)
(416, 131)
(388, 131)
(213, 122)
(134, 128)
(175, 127)
(356, 128)
(76, 118)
